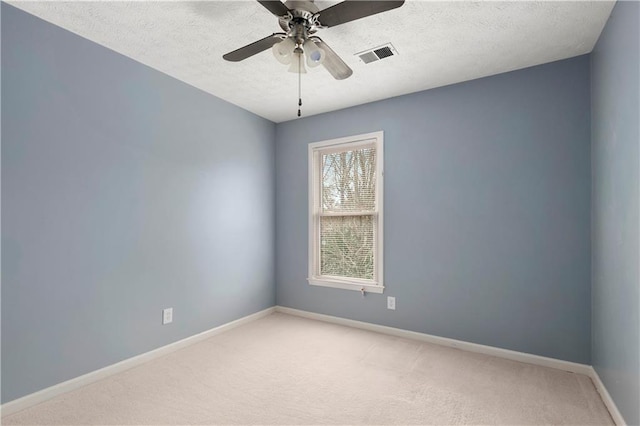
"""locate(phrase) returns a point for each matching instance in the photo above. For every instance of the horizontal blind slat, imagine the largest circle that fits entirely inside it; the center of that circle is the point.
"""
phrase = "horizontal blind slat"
(346, 213)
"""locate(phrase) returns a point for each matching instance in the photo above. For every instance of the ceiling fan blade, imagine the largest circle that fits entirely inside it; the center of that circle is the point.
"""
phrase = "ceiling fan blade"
(332, 62)
(255, 47)
(350, 10)
(275, 6)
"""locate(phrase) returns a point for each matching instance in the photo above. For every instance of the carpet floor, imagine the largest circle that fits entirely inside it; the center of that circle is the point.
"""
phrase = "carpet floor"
(283, 369)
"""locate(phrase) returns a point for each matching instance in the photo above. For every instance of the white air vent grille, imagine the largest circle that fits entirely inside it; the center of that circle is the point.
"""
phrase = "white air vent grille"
(377, 53)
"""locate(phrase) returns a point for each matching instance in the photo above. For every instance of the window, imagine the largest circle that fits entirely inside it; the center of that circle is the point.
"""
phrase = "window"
(345, 213)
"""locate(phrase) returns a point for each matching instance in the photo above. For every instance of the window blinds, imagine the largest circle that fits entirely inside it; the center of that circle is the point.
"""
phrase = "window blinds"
(348, 213)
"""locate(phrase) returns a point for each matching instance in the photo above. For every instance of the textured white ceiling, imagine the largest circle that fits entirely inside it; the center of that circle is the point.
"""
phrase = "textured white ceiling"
(438, 43)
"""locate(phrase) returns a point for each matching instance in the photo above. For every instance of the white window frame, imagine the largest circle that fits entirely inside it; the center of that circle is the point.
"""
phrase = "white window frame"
(316, 150)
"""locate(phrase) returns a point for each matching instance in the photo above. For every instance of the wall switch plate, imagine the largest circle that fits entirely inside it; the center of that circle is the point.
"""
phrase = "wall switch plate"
(167, 316)
(391, 303)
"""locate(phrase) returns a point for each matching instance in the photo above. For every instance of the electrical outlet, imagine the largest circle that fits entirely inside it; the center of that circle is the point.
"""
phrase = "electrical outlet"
(391, 303)
(167, 316)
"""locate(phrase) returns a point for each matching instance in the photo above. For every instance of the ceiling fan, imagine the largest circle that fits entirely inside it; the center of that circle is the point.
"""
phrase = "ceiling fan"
(300, 20)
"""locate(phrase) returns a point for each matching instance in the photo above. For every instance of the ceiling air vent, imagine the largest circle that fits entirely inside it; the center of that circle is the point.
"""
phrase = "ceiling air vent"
(377, 53)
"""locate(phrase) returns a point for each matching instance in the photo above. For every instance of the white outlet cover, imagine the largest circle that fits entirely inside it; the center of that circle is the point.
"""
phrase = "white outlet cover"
(167, 316)
(391, 303)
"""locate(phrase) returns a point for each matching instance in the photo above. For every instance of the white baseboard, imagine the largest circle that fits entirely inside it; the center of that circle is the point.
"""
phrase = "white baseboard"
(443, 341)
(606, 398)
(86, 379)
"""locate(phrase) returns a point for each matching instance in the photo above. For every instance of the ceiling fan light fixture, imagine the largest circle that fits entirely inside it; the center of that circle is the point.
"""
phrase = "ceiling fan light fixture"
(283, 51)
(297, 62)
(315, 55)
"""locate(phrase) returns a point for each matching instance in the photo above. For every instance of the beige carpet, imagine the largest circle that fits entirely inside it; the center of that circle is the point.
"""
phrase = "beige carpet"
(288, 370)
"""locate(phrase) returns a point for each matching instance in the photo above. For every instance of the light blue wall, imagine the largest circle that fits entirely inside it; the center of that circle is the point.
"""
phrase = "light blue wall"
(124, 191)
(615, 67)
(487, 201)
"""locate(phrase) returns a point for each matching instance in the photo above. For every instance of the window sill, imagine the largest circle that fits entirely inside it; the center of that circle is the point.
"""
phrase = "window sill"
(346, 285)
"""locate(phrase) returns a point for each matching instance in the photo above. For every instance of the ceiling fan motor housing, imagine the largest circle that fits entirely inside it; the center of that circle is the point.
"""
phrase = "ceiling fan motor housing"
(301, 21)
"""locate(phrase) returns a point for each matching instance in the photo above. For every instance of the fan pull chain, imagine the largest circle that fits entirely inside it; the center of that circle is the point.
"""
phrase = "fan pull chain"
(299, 84)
